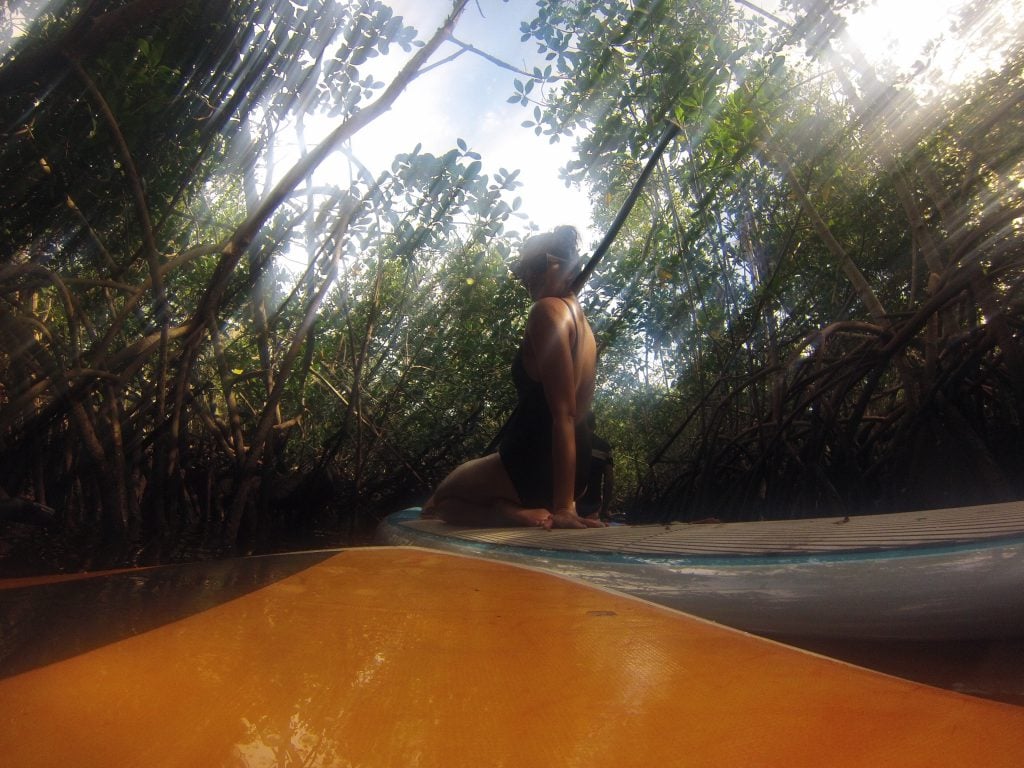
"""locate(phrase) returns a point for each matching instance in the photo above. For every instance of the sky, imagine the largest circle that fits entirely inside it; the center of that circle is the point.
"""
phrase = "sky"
(468, 99)
(898, 33)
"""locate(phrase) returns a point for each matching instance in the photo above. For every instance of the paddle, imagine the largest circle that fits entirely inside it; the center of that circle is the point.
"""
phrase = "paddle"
(670, 133)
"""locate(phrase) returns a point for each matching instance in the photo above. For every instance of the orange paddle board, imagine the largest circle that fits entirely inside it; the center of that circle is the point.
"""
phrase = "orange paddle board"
(401, 656)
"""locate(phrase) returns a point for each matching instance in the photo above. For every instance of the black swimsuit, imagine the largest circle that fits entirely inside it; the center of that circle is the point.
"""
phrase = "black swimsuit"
(525, 447)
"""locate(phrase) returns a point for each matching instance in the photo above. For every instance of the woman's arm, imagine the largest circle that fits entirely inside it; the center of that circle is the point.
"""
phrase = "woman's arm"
(549, 334)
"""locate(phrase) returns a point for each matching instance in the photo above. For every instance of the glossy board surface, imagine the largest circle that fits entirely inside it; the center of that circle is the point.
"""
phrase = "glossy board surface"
(407, 657)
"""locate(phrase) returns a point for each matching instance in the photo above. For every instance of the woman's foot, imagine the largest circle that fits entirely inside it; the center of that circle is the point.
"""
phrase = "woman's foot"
(572, 520)
(536, 518)
(527, 517)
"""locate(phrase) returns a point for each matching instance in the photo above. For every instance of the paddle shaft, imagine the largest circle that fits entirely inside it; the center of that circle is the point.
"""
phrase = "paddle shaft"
(670, 133)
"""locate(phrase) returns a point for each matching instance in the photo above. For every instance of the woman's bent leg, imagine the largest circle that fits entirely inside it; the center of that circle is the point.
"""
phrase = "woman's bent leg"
(480, 493)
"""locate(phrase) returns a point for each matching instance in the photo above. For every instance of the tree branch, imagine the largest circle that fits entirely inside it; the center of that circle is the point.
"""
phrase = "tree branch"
(468, 48)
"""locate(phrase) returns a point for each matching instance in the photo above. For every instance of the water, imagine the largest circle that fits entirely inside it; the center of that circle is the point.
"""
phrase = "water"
(992, 669)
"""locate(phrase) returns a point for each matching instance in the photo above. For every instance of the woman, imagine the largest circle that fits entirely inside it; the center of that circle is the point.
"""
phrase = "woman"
(541, 464)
